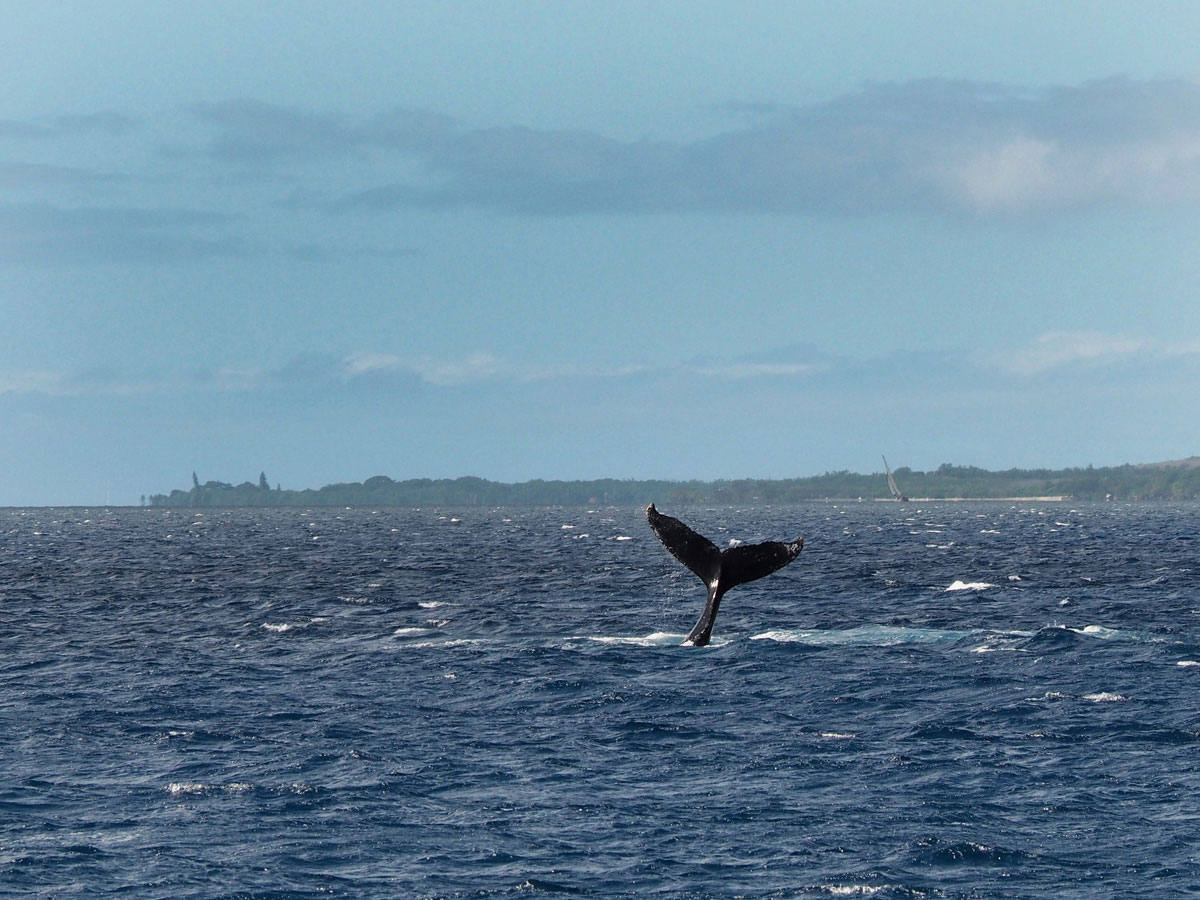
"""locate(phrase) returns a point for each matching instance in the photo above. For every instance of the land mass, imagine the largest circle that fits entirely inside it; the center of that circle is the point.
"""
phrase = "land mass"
(1176, 480)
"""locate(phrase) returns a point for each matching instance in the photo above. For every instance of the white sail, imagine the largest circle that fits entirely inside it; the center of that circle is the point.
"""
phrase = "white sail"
(896, 495)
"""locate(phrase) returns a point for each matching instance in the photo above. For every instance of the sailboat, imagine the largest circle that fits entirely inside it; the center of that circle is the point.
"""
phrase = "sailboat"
(896, 495)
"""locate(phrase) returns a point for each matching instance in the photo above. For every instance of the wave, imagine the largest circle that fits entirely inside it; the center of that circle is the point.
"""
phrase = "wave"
(1048, 637)
(865, 890)
(969, 853)
(1106, 697)
(654, 639)
(1094, 697)
(958, 585)
(183, 789)
(283, 627)
(199, 789)
(1052, 636)
(866, 635)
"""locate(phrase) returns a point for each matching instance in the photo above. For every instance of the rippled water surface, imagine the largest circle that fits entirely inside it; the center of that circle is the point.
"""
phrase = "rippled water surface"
(948, 700)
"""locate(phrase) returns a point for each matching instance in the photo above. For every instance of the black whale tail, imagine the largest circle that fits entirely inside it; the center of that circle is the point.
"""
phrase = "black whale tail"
(720, 570)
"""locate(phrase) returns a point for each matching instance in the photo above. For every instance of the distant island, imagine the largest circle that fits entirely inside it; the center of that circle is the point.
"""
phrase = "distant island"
(1177, 480)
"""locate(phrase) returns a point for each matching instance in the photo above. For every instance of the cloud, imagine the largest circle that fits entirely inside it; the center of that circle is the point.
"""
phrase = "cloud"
(312, 252)
(488, 368)
(31, 382)
(37, 233)
(741, 370)
(109, 123)
(23, 175)
(373, 370)
(249, 131)
(364, 363)
(312, 374)
(1063, 350)
(947, 147)
(317, 373)
(1057, 372)
(957, 149)
(97, 382)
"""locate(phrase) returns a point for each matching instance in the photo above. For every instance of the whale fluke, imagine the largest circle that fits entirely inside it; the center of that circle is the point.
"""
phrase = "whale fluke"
(720, 570)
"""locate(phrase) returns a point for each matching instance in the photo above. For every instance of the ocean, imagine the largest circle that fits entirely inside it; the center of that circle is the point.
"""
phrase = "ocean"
(945, 700)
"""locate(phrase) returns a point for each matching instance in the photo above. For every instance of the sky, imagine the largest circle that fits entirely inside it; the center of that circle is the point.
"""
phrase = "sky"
(519, 240)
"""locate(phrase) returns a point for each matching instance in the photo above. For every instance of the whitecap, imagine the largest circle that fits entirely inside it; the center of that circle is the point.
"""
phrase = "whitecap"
(278, 628)
(451, 642)
(1188, 662)
(180, 788)
(623, 537)
(654, 639)
(784, 636)
(430, 604)
(864, 635)
(1051, 695)
(959, 585)
(412, 629)
(1096, 631)
(992, 648)
(1105, 697)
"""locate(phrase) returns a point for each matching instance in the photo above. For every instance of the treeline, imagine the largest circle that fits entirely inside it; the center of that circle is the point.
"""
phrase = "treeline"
(468, 491)
(1167, 481)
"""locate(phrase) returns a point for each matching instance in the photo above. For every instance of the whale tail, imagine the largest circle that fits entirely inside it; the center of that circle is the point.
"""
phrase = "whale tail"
(720, 570)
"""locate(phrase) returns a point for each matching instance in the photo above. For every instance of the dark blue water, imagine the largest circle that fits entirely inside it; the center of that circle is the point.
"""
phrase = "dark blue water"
(954, 700)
